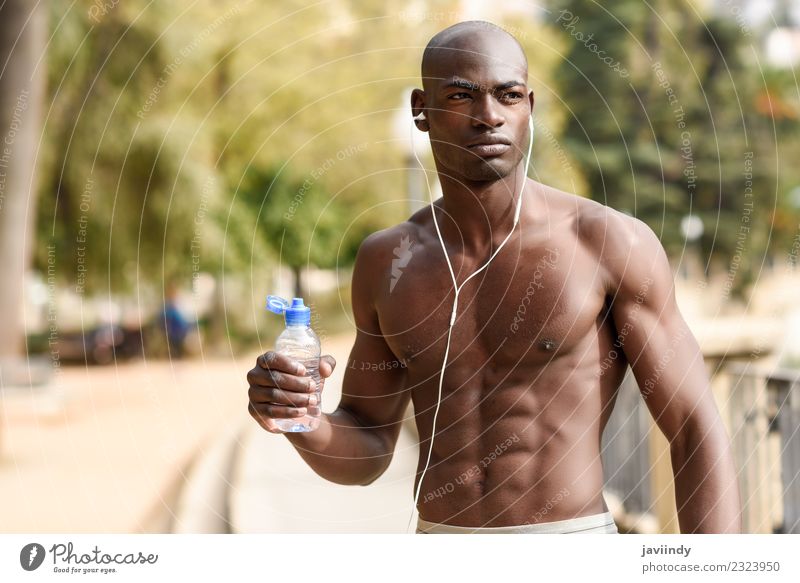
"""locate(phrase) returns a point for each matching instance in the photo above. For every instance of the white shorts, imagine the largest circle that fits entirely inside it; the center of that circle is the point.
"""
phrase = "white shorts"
(602, 523)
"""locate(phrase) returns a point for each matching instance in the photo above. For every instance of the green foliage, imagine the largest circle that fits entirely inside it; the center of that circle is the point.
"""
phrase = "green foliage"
(118, 188)
(294, 218)
(178, 136)
(680, 134)
(158, 114)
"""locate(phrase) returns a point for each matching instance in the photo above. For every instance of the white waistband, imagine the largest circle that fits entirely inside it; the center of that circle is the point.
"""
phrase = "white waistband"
(596, 523)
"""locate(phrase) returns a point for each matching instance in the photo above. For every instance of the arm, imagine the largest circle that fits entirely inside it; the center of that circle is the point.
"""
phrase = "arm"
(669, 369)
(355, 443)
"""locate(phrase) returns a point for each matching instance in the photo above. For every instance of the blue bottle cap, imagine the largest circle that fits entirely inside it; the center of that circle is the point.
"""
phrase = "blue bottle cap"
(295, 314)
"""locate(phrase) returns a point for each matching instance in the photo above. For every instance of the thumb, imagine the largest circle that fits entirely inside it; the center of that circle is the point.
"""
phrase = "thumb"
(326, 365)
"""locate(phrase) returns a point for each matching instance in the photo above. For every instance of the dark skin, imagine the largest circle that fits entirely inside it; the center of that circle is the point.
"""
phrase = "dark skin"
(542, 338)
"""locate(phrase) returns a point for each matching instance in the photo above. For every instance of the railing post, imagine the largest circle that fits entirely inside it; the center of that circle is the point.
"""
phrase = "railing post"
(754, 461)
(625, 453)
(787, 387)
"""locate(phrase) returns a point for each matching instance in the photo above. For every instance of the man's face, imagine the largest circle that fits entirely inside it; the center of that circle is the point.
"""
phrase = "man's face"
(477, 104)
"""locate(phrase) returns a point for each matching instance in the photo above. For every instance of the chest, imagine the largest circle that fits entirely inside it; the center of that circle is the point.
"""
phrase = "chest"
(524, 309)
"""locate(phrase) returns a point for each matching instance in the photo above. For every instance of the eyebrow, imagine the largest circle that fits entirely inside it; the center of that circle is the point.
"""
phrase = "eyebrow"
(465, 84)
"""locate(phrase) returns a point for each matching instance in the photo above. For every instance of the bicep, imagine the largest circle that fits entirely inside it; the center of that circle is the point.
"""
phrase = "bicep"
(668, 365)
(374, 389)
(663, 353)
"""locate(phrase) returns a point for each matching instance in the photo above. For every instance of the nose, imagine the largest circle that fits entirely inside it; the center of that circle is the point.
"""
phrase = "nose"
(486, 112)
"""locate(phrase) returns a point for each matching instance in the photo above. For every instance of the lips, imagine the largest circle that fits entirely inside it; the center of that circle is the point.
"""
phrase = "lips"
(490, 145)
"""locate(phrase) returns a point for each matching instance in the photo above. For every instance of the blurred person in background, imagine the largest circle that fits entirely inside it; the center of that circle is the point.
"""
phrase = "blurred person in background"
(172, 321)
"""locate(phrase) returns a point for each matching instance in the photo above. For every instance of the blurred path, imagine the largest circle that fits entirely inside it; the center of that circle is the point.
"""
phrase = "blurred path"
(255, 482)
(273, 490)
(157, 447)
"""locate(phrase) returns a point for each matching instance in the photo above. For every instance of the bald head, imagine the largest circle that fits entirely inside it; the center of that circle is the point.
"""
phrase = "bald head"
(465, 41)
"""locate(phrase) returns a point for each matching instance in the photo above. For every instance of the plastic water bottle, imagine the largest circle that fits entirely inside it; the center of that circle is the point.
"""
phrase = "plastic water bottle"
(299, 342)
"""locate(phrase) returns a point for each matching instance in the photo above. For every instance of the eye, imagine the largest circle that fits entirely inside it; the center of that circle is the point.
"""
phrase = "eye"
(457, 95)
(512, 96)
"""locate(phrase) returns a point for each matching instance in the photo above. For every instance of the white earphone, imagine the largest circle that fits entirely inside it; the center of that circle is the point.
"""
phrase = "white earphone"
(457, 288)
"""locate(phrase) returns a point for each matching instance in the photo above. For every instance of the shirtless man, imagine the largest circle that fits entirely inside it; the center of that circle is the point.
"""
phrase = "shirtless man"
(541, 341)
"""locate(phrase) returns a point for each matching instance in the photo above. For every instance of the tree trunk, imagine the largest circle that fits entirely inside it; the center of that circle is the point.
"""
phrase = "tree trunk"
(297, 272)
(216, 330)
(22, 80)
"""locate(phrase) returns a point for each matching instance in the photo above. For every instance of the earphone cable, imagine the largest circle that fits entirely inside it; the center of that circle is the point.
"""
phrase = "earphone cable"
(457, 289)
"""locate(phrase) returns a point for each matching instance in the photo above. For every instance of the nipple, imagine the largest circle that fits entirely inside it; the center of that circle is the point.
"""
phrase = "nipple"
(548, 344)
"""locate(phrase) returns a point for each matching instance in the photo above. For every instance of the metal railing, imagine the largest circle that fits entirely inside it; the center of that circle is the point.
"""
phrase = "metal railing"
(761, 411)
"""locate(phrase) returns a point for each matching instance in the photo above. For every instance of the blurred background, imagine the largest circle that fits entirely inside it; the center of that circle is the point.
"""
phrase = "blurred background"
(164, 166)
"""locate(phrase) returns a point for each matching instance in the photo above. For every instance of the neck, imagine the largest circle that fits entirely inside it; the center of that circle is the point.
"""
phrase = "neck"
(477, 216)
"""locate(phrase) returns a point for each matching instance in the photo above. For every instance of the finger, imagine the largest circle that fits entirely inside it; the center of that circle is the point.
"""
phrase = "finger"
(265, 422)
(326, 365)
(278, 411)
(287, 382)
(261, 395)
(276, 361)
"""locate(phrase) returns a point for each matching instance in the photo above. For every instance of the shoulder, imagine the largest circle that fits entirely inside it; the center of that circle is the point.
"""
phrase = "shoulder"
(628, 252)
(613, 231)
(374, 259)
(398, 241)
(384, 244)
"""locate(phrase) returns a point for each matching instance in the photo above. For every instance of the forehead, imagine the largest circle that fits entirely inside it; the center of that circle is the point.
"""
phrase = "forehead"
(485, 60)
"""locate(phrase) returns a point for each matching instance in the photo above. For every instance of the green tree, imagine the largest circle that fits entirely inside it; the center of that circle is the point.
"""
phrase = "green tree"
(678, 132)
(119, 189)
(298, 222)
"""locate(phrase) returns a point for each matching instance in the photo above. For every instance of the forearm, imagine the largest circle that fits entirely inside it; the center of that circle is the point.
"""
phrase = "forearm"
(706, 486)
(342, 451)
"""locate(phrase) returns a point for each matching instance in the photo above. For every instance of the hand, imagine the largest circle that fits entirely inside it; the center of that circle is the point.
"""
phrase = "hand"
(280, 389)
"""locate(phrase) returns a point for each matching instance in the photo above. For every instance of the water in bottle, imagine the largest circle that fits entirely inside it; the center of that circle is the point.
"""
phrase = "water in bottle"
(300, 343)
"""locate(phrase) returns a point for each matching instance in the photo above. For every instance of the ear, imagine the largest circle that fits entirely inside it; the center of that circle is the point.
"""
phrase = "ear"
(532, 99)
(417, 107)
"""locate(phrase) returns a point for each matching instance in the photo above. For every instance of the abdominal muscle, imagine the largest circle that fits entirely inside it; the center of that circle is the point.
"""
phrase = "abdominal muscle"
(511, 453)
